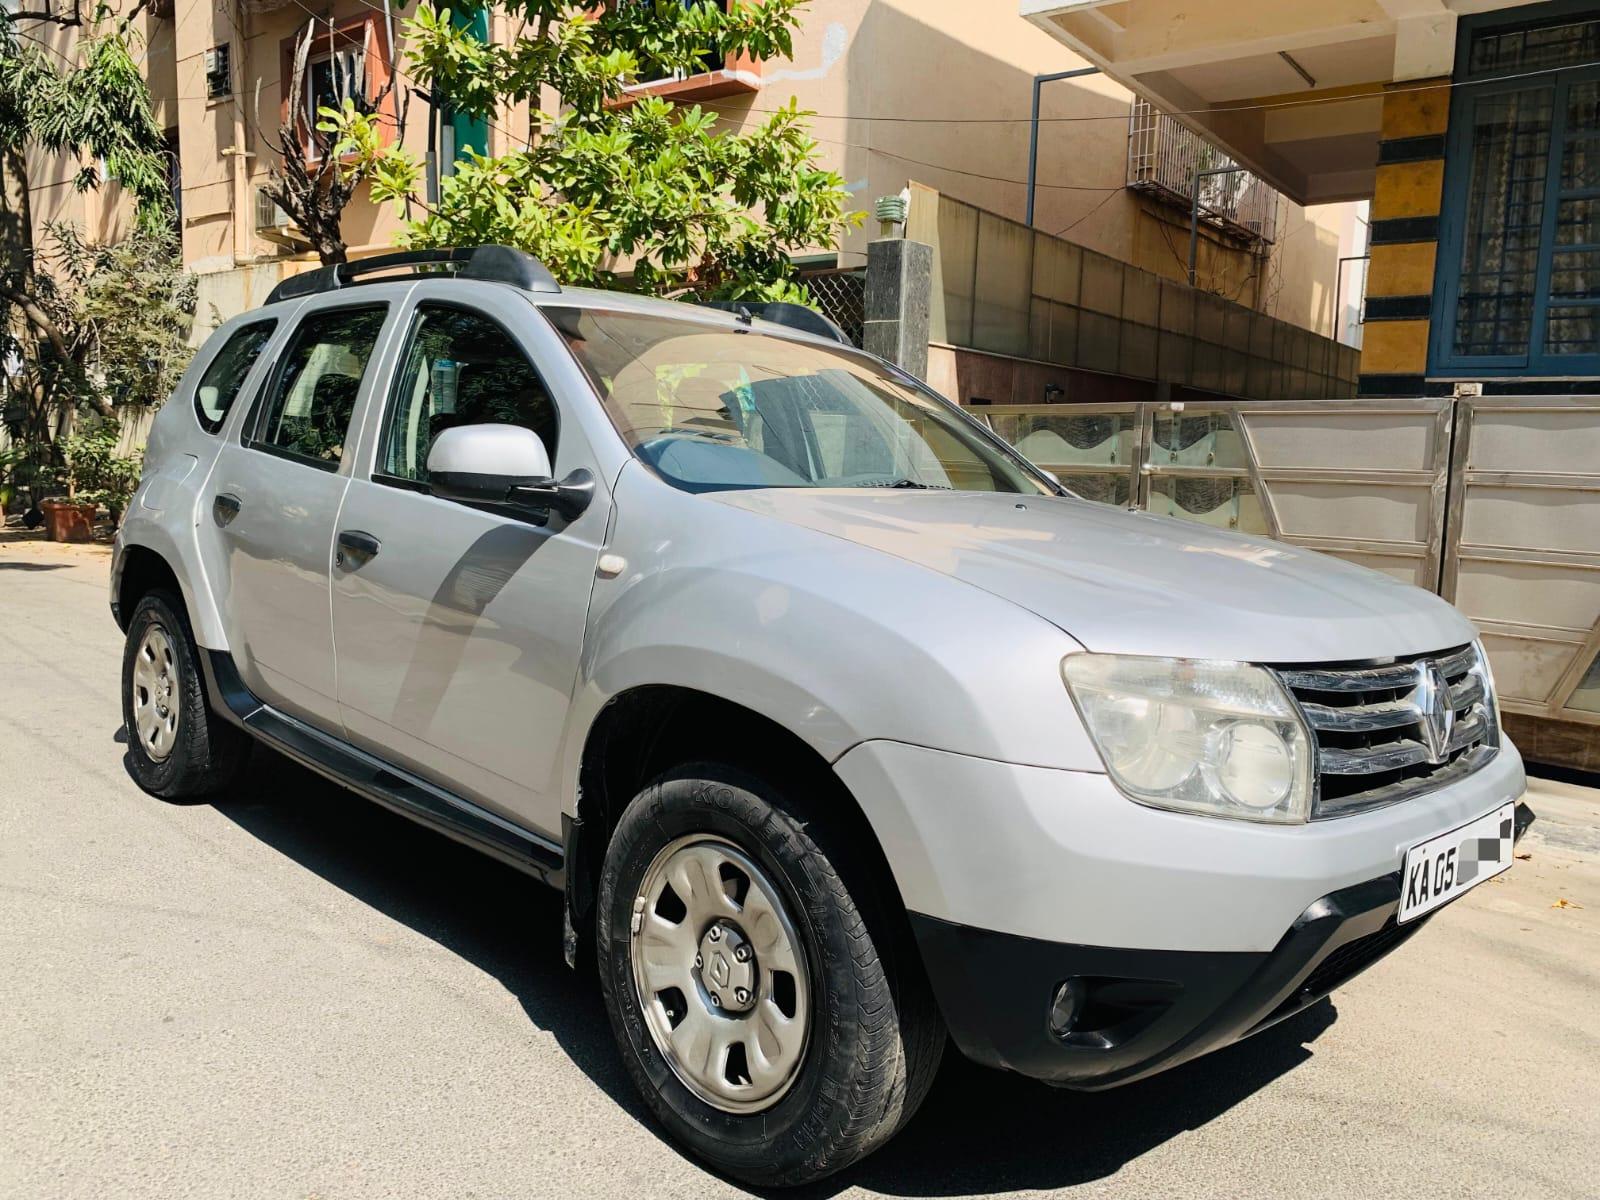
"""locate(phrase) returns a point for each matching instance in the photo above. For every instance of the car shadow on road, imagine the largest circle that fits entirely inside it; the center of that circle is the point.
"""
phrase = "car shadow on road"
(980, 1131)
(504, 922)
(983, 1131)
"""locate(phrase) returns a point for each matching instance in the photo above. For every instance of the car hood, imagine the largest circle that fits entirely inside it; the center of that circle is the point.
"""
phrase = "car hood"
(1132, 583)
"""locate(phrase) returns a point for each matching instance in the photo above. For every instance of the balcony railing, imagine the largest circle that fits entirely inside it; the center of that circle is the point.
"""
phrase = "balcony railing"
(1163, 158)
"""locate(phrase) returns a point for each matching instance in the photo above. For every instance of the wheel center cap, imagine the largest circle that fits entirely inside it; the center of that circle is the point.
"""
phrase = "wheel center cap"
(727, 967)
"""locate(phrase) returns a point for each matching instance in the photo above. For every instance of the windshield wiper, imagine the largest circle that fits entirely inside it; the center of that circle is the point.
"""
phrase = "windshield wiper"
(904, 482)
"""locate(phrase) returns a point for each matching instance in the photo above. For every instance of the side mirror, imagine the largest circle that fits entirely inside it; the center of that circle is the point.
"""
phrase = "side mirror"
(504, 466)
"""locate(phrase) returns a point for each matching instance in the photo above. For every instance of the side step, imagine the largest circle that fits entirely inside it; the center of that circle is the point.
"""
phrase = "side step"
(377, 780)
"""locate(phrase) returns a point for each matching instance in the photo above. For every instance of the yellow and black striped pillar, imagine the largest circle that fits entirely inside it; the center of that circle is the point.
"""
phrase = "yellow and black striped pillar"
(1405, 238)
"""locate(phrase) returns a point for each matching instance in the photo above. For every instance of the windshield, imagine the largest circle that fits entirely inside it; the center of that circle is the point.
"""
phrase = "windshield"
(710, 409)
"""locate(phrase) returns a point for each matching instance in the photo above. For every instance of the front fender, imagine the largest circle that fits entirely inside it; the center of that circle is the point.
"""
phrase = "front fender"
(835, 642)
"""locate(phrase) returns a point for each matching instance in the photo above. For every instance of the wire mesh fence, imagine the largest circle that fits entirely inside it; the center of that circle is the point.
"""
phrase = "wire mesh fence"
(841, 294)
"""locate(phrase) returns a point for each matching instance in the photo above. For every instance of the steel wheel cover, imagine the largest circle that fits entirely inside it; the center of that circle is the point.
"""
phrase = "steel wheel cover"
(720, 974)
(155, 692)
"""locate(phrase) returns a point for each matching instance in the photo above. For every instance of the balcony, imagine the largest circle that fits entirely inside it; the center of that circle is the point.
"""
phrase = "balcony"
(1163, 158)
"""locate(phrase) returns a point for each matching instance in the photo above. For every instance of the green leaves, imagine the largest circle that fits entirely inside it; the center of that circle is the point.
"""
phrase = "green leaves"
(99, 111)
(618, 188)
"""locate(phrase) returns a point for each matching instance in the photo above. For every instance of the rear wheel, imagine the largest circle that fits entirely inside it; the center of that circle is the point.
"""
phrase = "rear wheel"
(177, 747)
(766, 1009)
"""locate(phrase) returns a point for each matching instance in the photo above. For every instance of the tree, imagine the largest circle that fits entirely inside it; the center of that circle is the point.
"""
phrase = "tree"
(314, 183)
(105, 327)
(81, 326)
(98, 111)
(615, 183)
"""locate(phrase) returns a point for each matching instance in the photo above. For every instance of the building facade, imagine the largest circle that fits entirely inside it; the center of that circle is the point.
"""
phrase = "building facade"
(937, 92)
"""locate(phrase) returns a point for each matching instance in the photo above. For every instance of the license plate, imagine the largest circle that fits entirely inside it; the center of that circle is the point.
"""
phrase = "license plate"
(1440, 869)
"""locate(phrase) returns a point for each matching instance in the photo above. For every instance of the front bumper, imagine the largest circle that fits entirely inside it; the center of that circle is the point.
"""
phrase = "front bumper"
(1062, 856)
(1187, 932)
(1145, 1010)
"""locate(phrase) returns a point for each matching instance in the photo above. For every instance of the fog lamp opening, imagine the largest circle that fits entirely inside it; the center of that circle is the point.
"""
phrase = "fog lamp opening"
(1066, 1005)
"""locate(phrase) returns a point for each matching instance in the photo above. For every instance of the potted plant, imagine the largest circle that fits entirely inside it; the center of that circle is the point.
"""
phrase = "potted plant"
(95, 474)
(68, 518)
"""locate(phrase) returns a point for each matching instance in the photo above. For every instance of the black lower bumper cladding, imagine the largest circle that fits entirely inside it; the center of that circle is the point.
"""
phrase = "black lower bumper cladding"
(1144, 1011)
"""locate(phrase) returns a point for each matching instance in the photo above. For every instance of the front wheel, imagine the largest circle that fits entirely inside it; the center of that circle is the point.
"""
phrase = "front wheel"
(777, 1032)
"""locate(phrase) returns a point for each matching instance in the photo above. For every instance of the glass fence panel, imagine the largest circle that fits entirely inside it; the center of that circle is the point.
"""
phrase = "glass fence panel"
(1103, 487)
(1062, 437)
(1587, 697)
(1090, 451)
(1226, 502)
(1197, 438)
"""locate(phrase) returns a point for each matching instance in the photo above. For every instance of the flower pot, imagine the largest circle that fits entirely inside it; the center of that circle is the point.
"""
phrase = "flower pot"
(68, 521)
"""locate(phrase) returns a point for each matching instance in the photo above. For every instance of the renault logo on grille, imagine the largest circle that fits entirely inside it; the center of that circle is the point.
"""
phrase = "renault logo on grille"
(1435, 714)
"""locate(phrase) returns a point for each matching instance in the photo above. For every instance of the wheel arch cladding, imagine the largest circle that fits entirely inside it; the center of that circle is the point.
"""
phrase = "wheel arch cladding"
(143, 571)
(643, 732)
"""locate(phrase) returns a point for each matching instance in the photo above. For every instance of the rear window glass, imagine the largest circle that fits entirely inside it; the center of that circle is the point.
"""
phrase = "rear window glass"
(220, 384)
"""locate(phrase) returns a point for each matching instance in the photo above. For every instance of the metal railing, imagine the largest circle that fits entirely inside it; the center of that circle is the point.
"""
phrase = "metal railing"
(1164, 157)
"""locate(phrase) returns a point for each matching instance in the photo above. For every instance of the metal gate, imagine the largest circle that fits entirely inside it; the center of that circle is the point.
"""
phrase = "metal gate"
(1523, 559)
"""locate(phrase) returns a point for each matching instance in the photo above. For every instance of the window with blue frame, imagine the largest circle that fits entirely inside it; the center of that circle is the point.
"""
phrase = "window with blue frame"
(1521, 219)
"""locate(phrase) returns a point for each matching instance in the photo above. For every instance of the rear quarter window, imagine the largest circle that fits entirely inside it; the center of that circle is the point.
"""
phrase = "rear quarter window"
(219, 385)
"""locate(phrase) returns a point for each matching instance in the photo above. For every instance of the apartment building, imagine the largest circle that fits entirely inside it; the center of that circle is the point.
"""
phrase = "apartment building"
(937, 92)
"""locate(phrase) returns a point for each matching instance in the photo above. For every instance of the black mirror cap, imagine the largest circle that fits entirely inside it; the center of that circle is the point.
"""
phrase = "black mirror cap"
(472, 488)
(568, 498)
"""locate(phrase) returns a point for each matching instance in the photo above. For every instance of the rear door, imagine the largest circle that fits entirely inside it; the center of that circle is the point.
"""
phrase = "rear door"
(459, 630)
(268, 518)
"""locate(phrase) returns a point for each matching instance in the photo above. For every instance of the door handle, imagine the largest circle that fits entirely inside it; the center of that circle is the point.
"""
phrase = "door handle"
(225, 507)
(355, 548)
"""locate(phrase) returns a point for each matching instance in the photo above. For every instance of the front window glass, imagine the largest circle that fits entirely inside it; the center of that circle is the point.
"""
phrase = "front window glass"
(710, 408)
(460, 369)
(308, 413)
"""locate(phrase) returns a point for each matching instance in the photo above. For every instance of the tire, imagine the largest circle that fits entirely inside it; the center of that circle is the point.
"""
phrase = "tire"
(871, 1038)
(193, 752)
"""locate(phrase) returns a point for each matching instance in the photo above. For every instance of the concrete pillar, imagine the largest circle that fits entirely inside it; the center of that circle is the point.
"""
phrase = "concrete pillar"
(1404, 240)
(899, 294)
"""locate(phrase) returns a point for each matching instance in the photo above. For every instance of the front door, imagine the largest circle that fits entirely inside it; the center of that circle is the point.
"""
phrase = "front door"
(273, 499)
(458, 630)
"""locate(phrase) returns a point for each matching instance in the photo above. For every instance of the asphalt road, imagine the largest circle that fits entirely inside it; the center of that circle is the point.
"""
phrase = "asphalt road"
(295, 994)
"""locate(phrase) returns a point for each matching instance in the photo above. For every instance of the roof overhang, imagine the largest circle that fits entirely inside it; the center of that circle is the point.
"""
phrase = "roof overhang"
(1290, 88)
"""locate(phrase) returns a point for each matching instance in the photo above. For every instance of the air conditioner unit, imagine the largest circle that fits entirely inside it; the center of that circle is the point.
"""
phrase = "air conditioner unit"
(219, 72)
(273, 224)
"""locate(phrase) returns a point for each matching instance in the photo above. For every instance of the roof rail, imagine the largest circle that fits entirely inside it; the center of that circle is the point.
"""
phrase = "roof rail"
(501, 264)
(783, 312)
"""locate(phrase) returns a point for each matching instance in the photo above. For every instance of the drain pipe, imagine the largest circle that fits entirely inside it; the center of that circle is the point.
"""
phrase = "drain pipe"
(1033, 128)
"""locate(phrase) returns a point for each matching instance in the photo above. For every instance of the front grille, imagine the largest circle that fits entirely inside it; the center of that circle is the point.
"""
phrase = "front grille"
(1374, 742)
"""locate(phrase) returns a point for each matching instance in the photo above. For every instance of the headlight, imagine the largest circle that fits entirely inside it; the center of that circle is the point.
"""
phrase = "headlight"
(1219, 738)
(1491, 695)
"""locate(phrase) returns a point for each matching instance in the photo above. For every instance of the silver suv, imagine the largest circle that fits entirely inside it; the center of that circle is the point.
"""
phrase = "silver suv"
(845, 730)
